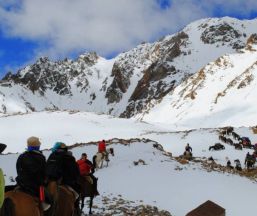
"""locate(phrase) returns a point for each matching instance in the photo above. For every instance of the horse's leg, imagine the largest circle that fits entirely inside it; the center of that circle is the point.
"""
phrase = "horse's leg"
(8, 208)
(102, 161)
(91, 204)
(82, 203)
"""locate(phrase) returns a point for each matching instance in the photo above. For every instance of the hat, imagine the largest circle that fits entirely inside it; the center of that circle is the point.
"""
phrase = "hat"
(33, 141)
(59, 145)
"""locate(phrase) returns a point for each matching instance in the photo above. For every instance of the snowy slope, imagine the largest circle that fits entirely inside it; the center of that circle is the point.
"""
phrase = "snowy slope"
(162, 182)
(221, 93)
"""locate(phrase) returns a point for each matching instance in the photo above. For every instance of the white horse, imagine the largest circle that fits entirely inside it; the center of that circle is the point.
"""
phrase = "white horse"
(99, 158)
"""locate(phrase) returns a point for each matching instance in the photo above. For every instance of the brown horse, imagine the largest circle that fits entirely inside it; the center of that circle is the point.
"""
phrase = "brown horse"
(63, 198)
(18, 203)
(87, 190)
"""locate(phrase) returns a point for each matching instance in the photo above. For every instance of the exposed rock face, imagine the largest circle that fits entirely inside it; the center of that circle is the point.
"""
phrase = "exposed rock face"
(132, 82)
(55, 76)
(222, 33)
(119, 85)
(150, 87)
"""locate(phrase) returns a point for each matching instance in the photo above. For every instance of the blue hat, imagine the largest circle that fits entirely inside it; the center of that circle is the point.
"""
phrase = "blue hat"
(58, 145)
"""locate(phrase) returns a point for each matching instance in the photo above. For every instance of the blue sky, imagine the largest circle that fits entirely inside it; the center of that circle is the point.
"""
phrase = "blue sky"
(65, 28)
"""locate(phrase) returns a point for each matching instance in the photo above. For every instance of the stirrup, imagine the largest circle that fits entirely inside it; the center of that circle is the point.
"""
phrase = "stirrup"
(45, 206)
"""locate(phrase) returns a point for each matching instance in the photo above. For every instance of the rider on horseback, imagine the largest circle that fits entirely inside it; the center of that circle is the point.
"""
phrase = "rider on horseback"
(62, 167)
(188, 151)
(31, 169)
(87, 169)
(102, 148)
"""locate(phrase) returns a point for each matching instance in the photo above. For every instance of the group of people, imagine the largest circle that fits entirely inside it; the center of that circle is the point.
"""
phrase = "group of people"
(34, 171)
(250, 160)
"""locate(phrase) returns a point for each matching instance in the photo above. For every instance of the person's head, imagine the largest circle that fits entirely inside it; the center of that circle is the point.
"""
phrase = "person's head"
(59, 146)
(33, 143)
(187, 144)
(83, 156)
(103, 141)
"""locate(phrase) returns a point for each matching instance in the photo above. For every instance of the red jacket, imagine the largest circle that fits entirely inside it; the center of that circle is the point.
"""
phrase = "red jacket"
(101, 147)
(84, 168)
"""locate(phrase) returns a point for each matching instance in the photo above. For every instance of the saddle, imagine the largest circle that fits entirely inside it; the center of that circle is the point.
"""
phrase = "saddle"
(70, 189)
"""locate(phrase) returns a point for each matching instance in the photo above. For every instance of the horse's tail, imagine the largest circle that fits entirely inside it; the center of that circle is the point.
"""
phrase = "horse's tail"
(7, 208)
(94, 161)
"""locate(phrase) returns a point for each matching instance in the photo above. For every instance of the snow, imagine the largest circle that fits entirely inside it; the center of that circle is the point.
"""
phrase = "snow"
(236, 106)
(174, 121)
(159, 182)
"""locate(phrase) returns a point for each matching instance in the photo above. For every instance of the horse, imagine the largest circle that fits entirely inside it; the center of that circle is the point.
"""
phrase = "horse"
(187, 155)
(87, 189)
(238, 165)
(229, 141)
(229, 130)
(100, 157)
(158, 146)
(235, 135)
(217, 146)
(63, 200)
(223, 139)
(19, 203)
(250, 161)
(238, 146)
(250, 164)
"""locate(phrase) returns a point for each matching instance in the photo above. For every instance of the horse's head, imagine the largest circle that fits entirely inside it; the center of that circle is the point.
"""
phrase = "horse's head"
(112, 152)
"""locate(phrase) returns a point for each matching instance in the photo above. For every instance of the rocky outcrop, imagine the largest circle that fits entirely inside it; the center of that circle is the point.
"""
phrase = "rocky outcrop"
(223, 33)
(119, 85)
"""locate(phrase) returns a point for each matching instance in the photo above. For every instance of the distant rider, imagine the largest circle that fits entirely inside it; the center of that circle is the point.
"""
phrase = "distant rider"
(188, 148)
(87, 169)
(102, 148)
(238, 165)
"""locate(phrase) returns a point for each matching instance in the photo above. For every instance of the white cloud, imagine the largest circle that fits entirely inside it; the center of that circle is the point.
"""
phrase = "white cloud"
(105, 26)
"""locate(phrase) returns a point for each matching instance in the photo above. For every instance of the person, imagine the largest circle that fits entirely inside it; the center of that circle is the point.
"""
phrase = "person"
(30, 168)
(229, 165)
(86, 169)
(102, 149)
(188, 148)
(61, 167)
(247, 157)
(238, 165)
(2, 186)
(102, 146)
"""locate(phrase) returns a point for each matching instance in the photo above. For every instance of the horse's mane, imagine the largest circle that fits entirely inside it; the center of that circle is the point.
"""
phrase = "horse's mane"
(94, 160)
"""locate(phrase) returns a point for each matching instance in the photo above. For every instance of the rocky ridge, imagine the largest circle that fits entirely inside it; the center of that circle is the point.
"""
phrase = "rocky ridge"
(131, 83)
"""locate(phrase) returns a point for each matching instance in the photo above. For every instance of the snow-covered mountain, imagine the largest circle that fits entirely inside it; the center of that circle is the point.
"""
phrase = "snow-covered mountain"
(221, 93)
(131, 83)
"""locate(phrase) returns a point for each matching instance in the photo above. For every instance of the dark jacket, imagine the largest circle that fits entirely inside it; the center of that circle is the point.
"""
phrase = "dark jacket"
(188, 148)
(62, 166)
(30, 168)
